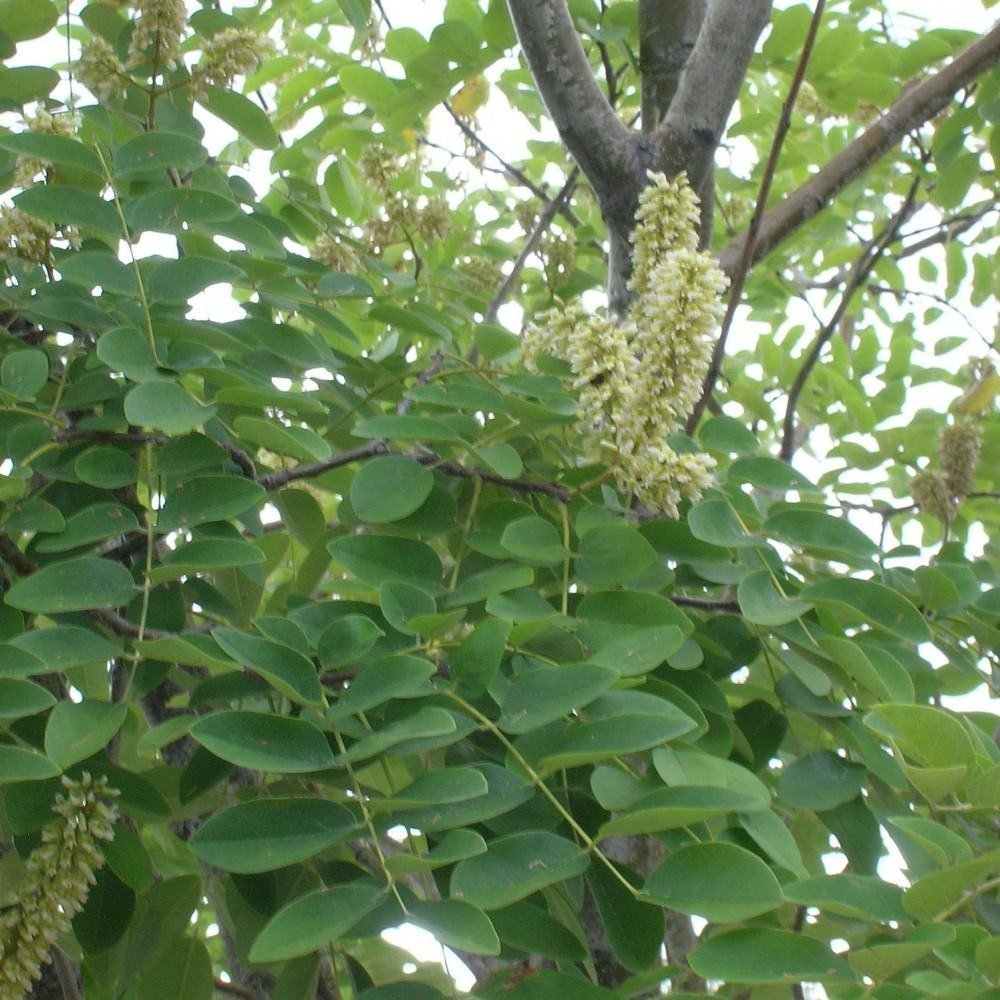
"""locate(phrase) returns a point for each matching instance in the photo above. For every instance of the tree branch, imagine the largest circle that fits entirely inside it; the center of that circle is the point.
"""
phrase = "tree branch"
(870, 256)
(736, 291)
(915, 107)
(668, 30)
(689, 135)
(448, 467)
(587, 125)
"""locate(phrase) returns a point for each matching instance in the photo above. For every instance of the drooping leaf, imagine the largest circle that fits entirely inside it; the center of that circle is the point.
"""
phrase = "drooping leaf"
(270, 833)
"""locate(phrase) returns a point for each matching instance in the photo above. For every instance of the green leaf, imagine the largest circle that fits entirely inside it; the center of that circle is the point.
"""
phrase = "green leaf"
(369, 86)
(456, 924)
(670, 808)
(66, 646)
(588, 742)
(165, 406)
(377, 559)
(425, 723)
(22, 21)
(406, 428)
(763, 955)
(286, 670)
(24, 765)
(925, 735)
(184, 969)
(727, 435)
(249, 119)
(264, 742)
(19, 698)
(24, 373)
(516, 866)
(611, 555)
(882, 961)
(106, 468)
(92, 524)
(168, 211)
(78, 730)
(208, 498)
(542, 695)
(389, 488)
(176, 281)
(716, 522)
(313, 921)
(20, 84)
(271, 833)
(771, 835)
(157, 151)
(820, 781)
(347, 639)
(69, 206)
(634, 928)
(206, 554)
(874, 602)
(762, 604)
(721, 882)
(860, 897)
(821, 534)
(73, 585)
(934, 894)
(533, 540)
(58, 149)
(401, 602)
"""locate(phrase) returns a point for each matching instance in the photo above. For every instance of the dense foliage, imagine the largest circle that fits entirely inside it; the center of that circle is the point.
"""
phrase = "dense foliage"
(347, 616)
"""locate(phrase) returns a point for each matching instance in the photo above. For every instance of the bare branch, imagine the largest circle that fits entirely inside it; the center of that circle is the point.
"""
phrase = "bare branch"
(736, 291)
(276, 479)
(588, 126)
(863, 267)
(690, 133)
(531, 244)
(668, 30)
(915, 107)
(448, 467)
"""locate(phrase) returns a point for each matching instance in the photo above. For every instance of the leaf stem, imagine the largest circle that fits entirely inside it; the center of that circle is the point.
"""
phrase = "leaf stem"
(536, 780)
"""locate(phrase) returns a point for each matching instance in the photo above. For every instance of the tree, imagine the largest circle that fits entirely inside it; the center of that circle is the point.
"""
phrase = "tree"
(355, 606)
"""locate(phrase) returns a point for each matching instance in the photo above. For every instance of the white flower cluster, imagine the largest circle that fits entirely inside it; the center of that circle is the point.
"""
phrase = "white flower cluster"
(228, 54)
(28, 168)
(157, 33)
(101, 71)
(24, 237)
(639, 379)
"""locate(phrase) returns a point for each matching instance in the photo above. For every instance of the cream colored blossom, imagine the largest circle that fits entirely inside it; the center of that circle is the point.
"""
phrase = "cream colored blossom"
(958, 451)
(28, 168)
(931, 494)
(484, 273)
(336, 255)
(101, 71)
(157, 33)
(228, 54)
(434, 219)
(639, 379)
(56, 883)
(23, 236)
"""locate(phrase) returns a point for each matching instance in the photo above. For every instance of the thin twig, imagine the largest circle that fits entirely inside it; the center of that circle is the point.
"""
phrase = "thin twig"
(515, 173)
(531, 244)
(310, 471)
(233, 989)
(863, 266)
(739, 278)
(705, 603)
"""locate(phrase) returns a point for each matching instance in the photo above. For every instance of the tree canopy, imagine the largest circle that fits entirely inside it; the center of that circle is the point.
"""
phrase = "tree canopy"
(578, 555)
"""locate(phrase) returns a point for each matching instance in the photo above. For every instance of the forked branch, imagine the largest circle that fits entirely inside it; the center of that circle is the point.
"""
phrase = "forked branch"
(915, 107)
